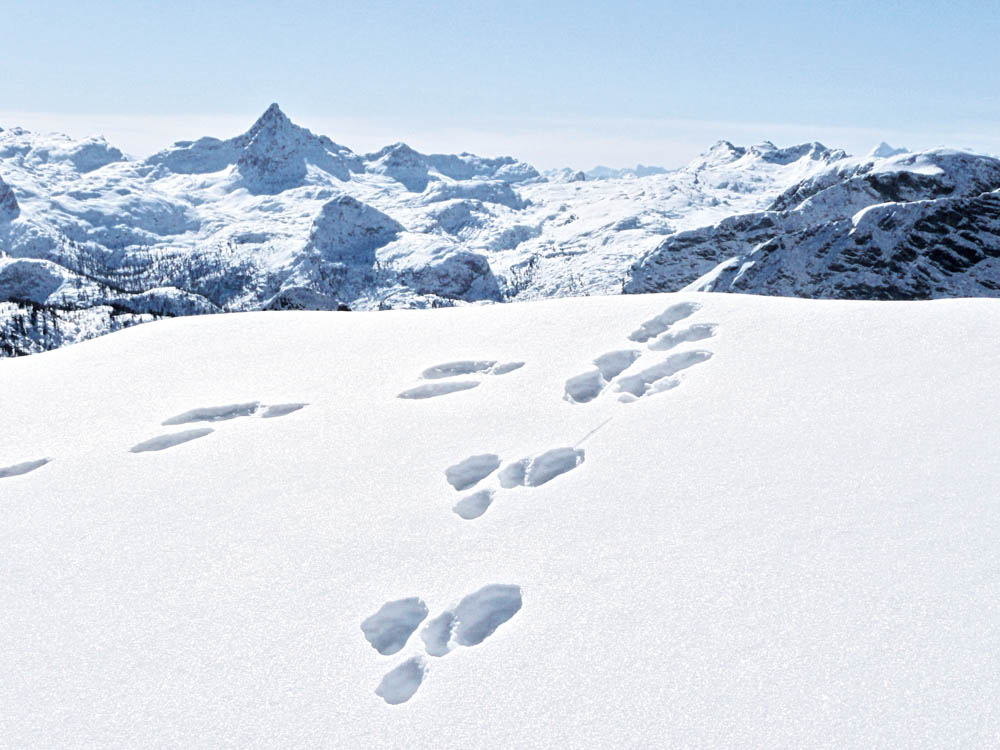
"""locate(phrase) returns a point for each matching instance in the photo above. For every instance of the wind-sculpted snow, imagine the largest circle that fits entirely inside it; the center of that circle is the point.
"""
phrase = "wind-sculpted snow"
(281, 218)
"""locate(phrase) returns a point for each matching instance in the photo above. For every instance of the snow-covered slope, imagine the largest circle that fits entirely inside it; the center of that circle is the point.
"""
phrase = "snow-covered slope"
(903, 226)
(684, 521)
(279, 217)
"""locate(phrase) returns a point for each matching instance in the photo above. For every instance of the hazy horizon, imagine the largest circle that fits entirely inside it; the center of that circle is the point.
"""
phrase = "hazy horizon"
(567, 84)
(544, 144)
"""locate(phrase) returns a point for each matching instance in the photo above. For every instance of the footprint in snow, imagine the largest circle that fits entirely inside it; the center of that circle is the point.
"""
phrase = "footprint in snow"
(532, 471)
(581, 389)
(211, 414)
(162, 442)
(660, 333)
(388, 629)
(460, 368)
(17, 470)
(660, 323)
(474, 619)
(232, 411)
(670, 339)
(659, 377)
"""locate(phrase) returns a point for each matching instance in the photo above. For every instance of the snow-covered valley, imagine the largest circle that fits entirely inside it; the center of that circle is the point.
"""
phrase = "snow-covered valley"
(280, 218)
(622, 521)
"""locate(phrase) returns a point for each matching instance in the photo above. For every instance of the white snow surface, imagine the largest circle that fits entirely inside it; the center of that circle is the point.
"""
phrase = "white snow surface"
(794, 542)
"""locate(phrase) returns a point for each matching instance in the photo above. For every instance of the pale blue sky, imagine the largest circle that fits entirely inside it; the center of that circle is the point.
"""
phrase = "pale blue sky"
(552, 82)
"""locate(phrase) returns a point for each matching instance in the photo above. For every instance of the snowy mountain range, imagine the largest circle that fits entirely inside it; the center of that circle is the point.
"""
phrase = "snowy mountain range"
(281, 218)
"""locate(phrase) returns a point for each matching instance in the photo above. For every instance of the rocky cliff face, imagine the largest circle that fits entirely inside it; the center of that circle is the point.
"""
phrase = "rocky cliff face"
(9, 208)
(909, 226)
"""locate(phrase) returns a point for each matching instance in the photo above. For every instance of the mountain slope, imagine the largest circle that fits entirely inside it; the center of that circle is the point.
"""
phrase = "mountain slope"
(788, 539)
(907, 226)
(261, 221)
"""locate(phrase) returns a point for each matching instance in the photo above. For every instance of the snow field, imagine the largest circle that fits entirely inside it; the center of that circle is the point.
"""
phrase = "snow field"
(791, 547)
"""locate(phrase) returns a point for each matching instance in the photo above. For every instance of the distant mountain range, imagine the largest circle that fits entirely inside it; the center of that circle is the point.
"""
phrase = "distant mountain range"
(281, 218)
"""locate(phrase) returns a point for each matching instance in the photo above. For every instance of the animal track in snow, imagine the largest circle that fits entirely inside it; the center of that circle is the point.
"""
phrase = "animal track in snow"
(22, 468)
(505, 367)
(473, 506)
(456, 369)
(430, 390)
(657, 325)
(670, 339)
(211, 414)
(469, 367)
(587, 386)
(214, 413)
(468, 473)
(474, 619)
(280, 410)
(537, 470)
(231, 411)
(163, 442)
(583, 388)
(400, 684)
(478, 615)
(657, 378)
(390, 628)
(530, 472)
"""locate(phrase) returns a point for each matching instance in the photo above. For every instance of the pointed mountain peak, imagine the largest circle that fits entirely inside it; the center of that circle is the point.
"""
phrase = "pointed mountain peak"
(884, 150)
(721, 152)
(273, 120)
(274, 113)
(722, 145)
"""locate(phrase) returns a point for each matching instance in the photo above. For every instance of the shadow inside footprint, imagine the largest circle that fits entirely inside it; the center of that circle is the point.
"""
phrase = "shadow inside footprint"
(474, 505)
(430, 390)
(479, 614)
(532, 472)
(280, 410)
(463, 367)
(214, 413)
(169, 441)
(503, 369)
(657, 325)
(670, 339)
(437, 633)
(400, 684)
(657, 378)
(390, 628)
(474, 620)
(470, 471)
(581, 389)
(22, 468)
